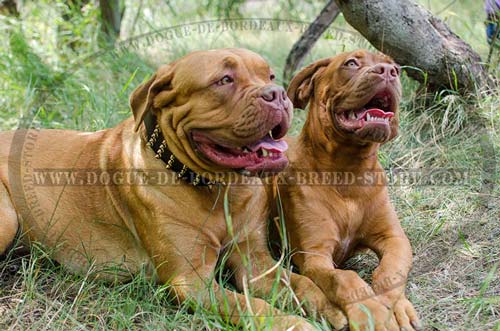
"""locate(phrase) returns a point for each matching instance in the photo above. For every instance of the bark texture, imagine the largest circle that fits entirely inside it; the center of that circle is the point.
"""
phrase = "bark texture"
(415, 38)
(111, 16)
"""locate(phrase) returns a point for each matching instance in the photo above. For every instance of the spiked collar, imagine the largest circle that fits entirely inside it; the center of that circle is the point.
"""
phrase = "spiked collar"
(156, 141)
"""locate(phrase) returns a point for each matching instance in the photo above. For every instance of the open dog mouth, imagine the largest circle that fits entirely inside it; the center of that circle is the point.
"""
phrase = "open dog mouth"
(376, 113)
(262, 156)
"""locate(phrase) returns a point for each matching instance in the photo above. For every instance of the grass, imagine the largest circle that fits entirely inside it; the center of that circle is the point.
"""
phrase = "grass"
(49, 70)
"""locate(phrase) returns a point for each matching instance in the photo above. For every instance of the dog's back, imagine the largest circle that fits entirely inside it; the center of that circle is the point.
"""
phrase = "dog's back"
(47, 176)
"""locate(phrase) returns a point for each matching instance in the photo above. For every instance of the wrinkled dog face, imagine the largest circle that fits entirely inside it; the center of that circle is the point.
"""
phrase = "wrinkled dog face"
(220, 110)
(360, 90)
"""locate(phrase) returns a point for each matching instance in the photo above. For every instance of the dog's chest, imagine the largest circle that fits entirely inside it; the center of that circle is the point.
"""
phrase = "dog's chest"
(219, 215)
(347, 217)
(244, 212)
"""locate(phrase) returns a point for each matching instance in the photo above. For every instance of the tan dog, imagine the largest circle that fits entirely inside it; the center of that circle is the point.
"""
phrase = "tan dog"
(209, 113)
(353, 108)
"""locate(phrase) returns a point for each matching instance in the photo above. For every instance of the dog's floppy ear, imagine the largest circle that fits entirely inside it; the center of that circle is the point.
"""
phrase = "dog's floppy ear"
(143, 97)
(302, 85)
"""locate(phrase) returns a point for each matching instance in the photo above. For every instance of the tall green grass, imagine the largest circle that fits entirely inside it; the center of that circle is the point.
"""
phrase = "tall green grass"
(54, 74)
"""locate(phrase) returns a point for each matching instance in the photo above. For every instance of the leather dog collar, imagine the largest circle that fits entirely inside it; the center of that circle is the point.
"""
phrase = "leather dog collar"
(156, 141)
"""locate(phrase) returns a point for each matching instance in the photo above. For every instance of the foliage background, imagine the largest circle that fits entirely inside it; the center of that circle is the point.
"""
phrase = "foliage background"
(50, 69)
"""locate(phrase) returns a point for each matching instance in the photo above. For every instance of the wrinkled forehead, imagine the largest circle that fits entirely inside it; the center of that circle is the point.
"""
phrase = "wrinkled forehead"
(369, 58)
(204, 67)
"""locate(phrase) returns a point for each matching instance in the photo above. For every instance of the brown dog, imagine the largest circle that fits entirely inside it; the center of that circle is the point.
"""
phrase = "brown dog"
(353, 108)
(198, 120)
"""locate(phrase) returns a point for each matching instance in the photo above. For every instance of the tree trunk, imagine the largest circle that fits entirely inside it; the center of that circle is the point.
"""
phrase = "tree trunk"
(9, 8)
(432, 53)
(111, 18)
(306, 42)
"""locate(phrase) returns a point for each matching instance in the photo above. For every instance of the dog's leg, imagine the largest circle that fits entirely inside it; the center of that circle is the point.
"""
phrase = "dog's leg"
(8, 220)
(241, 308)
(253, 262)
(389, 278)
(351, 293)
(189, 270)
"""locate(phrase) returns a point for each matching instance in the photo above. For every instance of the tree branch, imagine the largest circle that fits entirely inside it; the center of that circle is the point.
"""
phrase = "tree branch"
(306, 42)
(417, 39)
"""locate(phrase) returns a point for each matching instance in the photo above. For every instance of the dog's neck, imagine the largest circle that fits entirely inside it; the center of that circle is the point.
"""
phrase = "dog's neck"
(329, 151)
(156, 141)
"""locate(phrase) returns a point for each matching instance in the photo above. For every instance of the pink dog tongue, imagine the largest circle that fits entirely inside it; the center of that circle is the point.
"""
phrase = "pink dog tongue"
(379, 113)
(270, 144)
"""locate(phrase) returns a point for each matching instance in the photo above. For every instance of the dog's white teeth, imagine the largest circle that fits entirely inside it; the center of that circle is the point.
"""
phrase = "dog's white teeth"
(271, 134)
(267, 153)
(352, 115)
(246, 150)
(376, 118)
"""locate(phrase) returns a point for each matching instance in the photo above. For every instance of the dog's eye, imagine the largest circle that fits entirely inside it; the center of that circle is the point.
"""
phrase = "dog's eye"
(225, 80)
(272, 77)
(352, 63)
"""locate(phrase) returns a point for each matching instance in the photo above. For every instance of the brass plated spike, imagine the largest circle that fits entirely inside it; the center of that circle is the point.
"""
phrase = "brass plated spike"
(196, 180)
(161, 149)
(182, 172)
(154, 136)
(170, 162)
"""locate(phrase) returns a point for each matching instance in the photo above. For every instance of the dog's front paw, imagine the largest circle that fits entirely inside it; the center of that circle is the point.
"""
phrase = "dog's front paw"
(371, 314)
(336, 317)
(406, 315)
